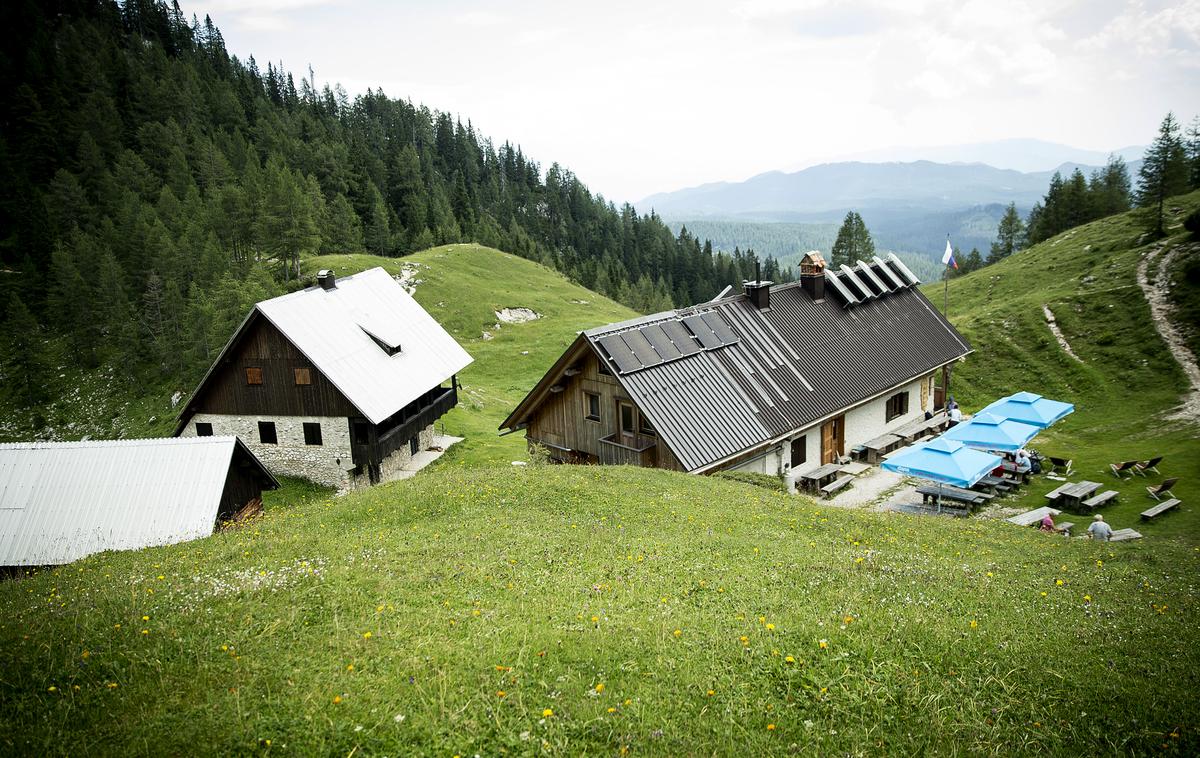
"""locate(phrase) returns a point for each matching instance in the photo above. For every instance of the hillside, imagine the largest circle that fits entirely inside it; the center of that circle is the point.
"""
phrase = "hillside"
(645, 610)
(586, 610)
(1125, 384)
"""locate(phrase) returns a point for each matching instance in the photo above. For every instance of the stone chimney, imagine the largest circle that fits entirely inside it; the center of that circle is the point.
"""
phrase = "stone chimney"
(326, 279)
(812, 274)
(758, 291)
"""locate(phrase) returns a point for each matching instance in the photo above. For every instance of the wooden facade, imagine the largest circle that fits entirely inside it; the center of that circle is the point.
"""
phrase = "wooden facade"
(261, 346)
(565, 426)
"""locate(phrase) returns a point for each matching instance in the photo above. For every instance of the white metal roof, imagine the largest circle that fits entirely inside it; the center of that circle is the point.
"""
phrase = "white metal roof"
(62, 501)
(334, 329)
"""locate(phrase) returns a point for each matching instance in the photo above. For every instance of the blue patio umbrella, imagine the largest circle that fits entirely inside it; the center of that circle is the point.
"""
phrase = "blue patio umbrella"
(945, 462)
(990, 432)
(1029, 408)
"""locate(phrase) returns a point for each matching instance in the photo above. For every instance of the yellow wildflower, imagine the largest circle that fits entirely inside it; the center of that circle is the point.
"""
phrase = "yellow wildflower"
(823, 644)
(677, 632)
(547, 713)
(770, 727)
(600, 687)
(770, 627)
(789, 659)
(366, 635)
(500, 693)
(337, 699)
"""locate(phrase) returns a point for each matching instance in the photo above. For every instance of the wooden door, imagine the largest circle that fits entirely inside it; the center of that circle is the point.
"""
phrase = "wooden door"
(627, 423)
(832, 439)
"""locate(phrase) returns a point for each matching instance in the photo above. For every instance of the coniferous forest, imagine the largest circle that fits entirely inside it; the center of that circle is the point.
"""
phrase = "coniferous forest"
(154, 187)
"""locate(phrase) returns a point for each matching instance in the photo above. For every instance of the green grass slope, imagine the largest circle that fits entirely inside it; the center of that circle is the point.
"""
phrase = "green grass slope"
(573, 610)
(463, 286)
(1127, 381)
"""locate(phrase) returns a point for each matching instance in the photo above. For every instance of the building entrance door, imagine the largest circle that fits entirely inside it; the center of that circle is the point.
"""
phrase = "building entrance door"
(833, 441)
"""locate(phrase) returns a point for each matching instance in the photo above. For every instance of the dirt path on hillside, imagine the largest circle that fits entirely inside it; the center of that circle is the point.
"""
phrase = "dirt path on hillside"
(1058, 335)
(1162, 312)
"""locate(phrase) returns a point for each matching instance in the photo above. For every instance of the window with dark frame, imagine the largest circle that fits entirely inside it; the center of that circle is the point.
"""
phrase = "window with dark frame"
(266, 433)
(253, 375)
(312, 433)
(799, 451)
(897, 405)
(203, 429)
(644, 425)
(591, 406)
(303, 376)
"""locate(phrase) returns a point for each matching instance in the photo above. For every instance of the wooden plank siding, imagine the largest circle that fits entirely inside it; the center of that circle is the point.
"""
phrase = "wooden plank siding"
(561, 422)
(263, 346)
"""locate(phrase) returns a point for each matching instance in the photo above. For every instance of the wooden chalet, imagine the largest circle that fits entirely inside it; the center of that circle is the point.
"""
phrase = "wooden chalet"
(771, 379)
(340, 383)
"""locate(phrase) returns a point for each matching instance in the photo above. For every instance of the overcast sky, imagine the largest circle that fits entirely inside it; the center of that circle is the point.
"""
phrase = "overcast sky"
(644, 97)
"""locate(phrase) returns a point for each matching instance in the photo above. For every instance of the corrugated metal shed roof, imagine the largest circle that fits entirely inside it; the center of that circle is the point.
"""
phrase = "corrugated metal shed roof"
(62, 501)
(783, 368)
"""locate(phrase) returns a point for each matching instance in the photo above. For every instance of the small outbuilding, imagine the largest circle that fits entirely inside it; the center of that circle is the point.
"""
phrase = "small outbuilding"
(62, 501)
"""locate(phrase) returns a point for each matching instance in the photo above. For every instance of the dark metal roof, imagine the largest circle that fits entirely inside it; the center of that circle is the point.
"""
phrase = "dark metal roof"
(753, 375)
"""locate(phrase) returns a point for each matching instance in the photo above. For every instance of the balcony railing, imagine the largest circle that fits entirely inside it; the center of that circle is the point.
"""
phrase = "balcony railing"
(391, 440)
(638, 450)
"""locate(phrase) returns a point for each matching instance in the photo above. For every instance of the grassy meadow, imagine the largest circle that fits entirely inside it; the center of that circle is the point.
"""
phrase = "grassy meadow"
(602, 610)
(482, 608)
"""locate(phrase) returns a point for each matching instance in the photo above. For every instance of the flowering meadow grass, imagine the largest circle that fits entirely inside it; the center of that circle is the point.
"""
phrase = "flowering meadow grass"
(578, 610)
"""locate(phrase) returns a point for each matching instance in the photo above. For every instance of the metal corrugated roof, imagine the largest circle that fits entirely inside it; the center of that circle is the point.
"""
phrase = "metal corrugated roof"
(333, 328)
(62, 501)
(790, 365)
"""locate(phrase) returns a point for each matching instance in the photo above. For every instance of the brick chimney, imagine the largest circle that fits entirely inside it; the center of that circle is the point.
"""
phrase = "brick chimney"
(326, 279)
(812, 274)
(758, 291)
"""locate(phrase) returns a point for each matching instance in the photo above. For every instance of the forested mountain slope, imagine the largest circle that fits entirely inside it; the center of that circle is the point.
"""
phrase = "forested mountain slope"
(152, 187)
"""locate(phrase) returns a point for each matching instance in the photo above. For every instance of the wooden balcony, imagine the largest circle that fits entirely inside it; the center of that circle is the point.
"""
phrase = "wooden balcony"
(643, 451)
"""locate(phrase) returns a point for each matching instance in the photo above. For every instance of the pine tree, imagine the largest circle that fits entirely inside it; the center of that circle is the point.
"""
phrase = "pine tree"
(972, 262)
(24, 357)
(1109, 188)
(1164, 172)
(853, 242)
(1193, 153)
(1009, 235)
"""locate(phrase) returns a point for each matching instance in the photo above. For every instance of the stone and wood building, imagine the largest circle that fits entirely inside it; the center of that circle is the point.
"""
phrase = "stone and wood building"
(340, 383)
(772, 379)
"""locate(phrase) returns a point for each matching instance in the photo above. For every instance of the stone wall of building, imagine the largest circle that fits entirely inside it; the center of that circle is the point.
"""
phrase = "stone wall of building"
(330, 463)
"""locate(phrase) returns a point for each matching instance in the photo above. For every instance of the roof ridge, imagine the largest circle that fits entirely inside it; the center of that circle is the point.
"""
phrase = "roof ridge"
(131, 442)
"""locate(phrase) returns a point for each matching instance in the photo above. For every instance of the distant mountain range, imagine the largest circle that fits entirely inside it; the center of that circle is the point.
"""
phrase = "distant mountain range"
(909, 207)
(1025, 155)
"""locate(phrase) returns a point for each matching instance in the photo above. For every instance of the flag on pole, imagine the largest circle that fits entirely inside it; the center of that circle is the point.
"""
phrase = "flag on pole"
(948, 256)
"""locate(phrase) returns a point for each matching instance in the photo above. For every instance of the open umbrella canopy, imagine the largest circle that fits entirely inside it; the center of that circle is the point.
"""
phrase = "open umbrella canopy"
(989, 432)
(1030, 409)
(945, 461)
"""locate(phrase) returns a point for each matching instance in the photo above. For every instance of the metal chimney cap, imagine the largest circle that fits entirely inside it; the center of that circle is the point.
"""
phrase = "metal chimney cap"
(326, 279)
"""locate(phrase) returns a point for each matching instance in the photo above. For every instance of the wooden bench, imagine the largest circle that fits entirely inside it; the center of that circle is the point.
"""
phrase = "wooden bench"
(1159, 509)
(1065, 527)
(953, 493)
(1092, 503)
(833, 487)
(1053, 494)
(1121, 535)
(1033, 517)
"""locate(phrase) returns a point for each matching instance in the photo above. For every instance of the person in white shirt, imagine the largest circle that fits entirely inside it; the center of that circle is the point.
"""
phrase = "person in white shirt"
(1098, 530)
(1023, 462)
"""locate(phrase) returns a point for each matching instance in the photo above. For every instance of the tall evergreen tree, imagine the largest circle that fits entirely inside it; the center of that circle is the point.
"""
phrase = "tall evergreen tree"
(1164, 172)
(1009, 235)
(24, 356)
(853, 242)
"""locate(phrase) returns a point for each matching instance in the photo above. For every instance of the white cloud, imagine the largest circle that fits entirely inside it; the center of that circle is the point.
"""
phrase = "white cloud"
(640, 97)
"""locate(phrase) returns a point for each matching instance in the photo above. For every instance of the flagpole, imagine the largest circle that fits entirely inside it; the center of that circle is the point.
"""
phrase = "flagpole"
(946, 283)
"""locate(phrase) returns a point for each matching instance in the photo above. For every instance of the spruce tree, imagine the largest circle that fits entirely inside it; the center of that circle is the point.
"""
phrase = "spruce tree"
(1164, 172)
(1009, 235)
(25, 363)
(853, 242)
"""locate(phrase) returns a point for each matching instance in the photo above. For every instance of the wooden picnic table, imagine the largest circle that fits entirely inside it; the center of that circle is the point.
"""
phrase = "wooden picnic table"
(916, 429)
(820, 476)
(884, 443)
(1035, 516)
(1071, 495)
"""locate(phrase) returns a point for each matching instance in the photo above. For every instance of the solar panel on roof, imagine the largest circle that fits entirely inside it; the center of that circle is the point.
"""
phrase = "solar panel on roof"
(902, 269)
(867, 292)
(642, 349)
(864, 270)
(680, 337)
(703, 332)
(843, 292)
(717, 323)
(662, 343)
(620, 353)
(886, 272)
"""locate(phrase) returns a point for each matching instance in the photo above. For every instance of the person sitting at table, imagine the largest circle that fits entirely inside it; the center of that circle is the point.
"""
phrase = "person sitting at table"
(1099, 530)
(955, 416)
(1024, 464)
(1048, 524)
